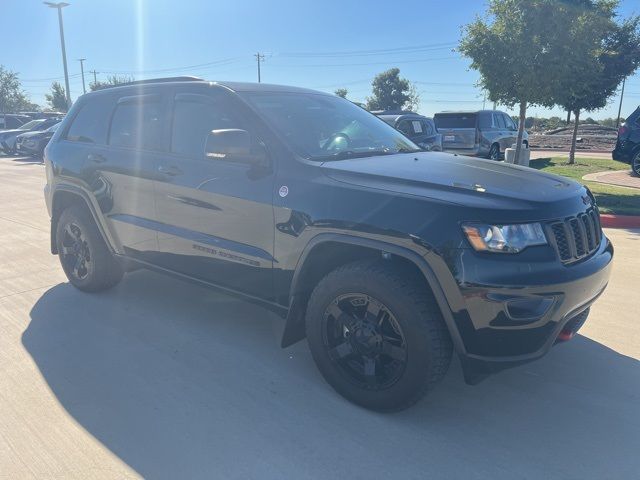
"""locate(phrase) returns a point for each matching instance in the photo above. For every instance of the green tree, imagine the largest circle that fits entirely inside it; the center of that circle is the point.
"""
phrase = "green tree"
(390, 92)
(341, 92)
(112, 80)
(12, 97)
(517, 49)
(609, 51)
(57, 99)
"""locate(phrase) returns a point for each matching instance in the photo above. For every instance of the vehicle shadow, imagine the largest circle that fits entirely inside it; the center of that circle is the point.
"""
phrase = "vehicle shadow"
(182, 382)
(28, 159)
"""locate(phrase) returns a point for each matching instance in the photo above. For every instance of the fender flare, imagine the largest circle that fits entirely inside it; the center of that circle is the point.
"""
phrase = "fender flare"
(294, 327)
(93, 208)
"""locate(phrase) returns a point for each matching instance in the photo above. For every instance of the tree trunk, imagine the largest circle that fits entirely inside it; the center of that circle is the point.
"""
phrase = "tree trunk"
(523, 116)
(572, 152)
(568, 116)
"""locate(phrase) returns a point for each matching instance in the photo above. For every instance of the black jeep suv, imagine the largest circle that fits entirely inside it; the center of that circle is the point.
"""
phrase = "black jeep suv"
(628, 142)
(385, 257)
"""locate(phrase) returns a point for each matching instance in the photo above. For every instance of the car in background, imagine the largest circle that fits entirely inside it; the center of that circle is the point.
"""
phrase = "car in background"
(628, 142)
(8, 137)
(10, 121)
(417, 128)
(33, 143)
(480, 133)
(37, 115)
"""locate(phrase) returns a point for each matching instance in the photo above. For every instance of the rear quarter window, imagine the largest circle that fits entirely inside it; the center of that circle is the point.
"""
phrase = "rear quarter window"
(455, 120)
(91, 123)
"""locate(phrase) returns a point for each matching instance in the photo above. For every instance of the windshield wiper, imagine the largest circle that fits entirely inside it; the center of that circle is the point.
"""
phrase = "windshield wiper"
(351, 154)
(409, 150)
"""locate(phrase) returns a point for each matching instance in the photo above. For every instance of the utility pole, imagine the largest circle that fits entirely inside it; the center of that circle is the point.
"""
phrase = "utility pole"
(621, 97)
(259, 58)
(95, 78)
(81, 60)
(484, 100)
(59, 6)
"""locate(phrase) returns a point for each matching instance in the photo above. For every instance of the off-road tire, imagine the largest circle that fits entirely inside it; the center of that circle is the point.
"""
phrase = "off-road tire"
(494, 152)
(103, 271)
(635, 164)
(429, 347)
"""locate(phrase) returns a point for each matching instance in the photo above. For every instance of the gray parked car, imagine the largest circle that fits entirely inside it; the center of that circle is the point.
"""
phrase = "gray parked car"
(8, 137)
(420, 130)
(483, 133)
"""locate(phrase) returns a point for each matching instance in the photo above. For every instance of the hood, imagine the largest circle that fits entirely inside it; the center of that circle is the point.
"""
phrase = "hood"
(456, 179)
(35, 134)
(12, 131)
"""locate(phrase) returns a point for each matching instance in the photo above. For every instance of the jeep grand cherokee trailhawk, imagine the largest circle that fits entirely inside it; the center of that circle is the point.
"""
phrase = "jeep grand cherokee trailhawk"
(386, 258)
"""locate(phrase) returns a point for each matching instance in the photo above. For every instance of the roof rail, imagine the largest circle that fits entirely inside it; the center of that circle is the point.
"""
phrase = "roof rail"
(393, 112)
(163, 80)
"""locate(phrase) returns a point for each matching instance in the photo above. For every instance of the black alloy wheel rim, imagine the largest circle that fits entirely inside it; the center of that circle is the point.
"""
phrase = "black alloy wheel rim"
(364, 340)
(495, 153)
(75, 251)
(636, 164)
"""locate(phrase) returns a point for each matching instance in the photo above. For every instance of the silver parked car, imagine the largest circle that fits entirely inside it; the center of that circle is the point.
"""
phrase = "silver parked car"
(420, 130)
(483, 133)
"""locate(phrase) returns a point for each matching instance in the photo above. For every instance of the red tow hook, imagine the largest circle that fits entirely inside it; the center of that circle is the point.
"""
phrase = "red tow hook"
(566, 335)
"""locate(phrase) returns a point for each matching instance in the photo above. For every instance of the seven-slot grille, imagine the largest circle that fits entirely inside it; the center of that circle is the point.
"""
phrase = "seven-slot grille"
(576, 237)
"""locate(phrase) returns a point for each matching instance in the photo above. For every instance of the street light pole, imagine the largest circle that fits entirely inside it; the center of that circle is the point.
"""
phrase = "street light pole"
(59, 6)
(620, 107)
(81, 60)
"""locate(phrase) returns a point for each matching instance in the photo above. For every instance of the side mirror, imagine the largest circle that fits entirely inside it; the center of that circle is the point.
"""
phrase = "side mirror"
(234, 145)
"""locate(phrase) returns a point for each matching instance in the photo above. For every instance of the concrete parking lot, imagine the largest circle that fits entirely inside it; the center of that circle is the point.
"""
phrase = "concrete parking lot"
(163, 379)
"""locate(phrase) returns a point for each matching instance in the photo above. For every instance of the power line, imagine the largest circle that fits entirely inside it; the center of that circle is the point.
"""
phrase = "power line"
(46, 80)
(390, 62)
(226, 61)
(385, 51)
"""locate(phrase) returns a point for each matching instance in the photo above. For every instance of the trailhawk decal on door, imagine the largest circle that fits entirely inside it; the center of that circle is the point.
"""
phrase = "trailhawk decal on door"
(221, 244)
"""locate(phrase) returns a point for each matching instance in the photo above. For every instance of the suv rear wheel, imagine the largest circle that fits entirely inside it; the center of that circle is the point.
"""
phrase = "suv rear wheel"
(377, 336)
(85, 258)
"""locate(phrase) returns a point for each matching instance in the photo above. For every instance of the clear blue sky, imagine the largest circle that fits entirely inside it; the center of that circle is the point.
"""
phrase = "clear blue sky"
(323, 44)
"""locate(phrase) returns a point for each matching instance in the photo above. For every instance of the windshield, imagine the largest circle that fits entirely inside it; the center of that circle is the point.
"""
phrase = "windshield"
(30, 125)
(53, 127)
(322, 127)
(455, 120)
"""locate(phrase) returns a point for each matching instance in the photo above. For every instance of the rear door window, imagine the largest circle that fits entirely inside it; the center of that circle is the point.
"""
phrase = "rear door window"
(426, 126)
(91, 123)
(137, 123)
(455, 120)
(406, 128)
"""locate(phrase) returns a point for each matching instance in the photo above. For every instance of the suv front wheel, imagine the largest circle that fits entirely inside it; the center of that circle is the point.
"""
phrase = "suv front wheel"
(635, 164)
(85, 258)
(377, 335)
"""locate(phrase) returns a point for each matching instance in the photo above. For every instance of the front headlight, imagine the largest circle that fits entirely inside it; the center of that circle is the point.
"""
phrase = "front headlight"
(504, 238)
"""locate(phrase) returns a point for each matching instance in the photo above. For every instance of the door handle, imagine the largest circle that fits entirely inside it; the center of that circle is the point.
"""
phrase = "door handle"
(172, 170)
(96, 158)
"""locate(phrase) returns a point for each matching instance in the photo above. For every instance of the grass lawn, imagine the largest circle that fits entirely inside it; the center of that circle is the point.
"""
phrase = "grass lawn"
(610, 198)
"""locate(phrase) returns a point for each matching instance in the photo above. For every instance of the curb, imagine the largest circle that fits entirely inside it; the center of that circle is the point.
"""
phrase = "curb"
(619, 221)
(564, 150)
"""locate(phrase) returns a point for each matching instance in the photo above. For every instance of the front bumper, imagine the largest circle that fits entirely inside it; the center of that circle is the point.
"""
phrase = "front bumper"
(28, 148)
(623, 150)
(502, 326)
